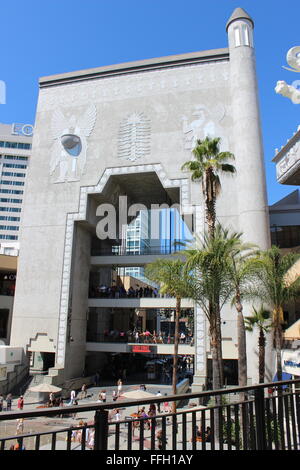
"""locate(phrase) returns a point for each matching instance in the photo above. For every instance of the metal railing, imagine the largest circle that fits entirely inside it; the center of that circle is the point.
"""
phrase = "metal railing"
(123, 251)
(260, 421)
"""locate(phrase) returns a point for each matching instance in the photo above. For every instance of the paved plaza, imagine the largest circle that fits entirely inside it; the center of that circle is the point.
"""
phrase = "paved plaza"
(50, 424)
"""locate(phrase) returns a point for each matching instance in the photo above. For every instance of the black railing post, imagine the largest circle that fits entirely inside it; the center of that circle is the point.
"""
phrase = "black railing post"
(101, 430)
(260, 427)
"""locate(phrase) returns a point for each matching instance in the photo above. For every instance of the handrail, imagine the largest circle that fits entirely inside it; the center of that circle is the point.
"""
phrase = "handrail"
(260, 422)
(8, 415)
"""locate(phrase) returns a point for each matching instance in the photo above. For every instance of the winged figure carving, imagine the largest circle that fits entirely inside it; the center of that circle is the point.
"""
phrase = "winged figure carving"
(70, 143)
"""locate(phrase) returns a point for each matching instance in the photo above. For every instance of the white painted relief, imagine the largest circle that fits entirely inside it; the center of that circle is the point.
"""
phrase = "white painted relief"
(134, 137)
(69, 149)
(203, 124)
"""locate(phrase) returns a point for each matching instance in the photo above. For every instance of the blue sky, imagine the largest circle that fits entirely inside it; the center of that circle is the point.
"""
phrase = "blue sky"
(54, 36)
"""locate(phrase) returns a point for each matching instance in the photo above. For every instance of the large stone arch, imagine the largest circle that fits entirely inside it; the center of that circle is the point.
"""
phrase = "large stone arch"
(182, 183)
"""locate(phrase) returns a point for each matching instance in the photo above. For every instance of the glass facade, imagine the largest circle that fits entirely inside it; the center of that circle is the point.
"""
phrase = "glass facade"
(15, 145)
(13, 170)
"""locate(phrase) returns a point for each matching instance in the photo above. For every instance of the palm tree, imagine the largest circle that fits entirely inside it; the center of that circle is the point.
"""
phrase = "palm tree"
(274, 290)
(209, 261)
(208, 163)
(242, 272)
(174, 281)
(260, 319)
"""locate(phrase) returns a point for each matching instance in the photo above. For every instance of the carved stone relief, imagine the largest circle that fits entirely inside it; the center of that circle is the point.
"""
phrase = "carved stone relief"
(69, 149)
(134, 137)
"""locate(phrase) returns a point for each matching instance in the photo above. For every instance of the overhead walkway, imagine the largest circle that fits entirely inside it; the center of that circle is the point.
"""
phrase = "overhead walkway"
(129, 259)
(143, 302)
(148, 348)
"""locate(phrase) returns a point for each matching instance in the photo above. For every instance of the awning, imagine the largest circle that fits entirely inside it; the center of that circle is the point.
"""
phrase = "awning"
(293, 332)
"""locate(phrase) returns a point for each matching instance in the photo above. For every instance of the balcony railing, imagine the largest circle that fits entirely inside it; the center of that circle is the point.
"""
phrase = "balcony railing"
(123, 251)
(120, 337)
(261, 421)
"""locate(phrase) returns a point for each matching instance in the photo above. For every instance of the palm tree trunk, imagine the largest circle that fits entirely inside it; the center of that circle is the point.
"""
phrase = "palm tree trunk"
(278, 341)
(175, 357)
(261, 356)
(210, 202)
(219, 345)
(242, 349)
(216, 379)
(242, 356)
(215, 374)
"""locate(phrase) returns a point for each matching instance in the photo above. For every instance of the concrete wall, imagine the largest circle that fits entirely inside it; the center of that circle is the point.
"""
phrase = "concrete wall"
(172, 102)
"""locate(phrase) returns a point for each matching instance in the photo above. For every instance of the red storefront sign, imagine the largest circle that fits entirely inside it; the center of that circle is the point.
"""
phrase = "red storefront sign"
(141, 349)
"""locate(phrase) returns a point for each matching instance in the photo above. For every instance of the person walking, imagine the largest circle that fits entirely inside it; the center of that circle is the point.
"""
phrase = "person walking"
(162, 440)
(8, 402)
(120, 386)
(20, 426)
(117, 416)
(84, 391)
(20, 403)
(51, 399)
(72, 397)
(158, 404)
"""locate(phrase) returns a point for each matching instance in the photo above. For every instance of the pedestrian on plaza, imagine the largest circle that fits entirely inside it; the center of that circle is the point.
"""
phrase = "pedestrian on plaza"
(19, 445)
(103, 396)
(1, 401)
(51, 399)
(72, 397)
(20, 403)
(91, 441)
(84, 391)
(8, 402)
(161, 440)
(20, 425)
(114, 395)
(117, 416)
(152, 410)
(158, 404)
(166, 406)
(120, 386)
(208, 434)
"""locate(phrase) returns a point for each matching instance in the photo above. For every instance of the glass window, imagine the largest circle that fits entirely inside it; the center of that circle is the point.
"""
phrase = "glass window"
(10, 209)
(11, 191)
(12, 183)
(8, 237)
(237, 36)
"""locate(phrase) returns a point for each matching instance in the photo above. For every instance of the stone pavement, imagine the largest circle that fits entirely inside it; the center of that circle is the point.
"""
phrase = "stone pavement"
(49, 424)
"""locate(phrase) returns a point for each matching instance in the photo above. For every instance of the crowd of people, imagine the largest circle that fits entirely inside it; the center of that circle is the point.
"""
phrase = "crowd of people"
(118, 292)
(6, 403)
(136, 336)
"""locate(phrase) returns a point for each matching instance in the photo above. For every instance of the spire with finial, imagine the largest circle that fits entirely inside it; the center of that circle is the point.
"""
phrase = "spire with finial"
(239, 14)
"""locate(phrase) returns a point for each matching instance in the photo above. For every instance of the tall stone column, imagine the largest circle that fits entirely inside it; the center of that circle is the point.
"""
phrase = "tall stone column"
(247, 147)
(247, 138)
